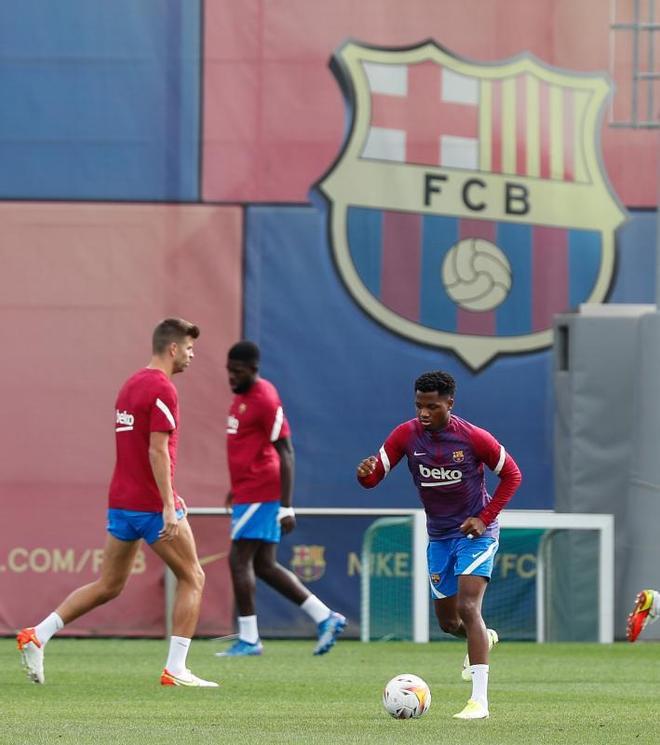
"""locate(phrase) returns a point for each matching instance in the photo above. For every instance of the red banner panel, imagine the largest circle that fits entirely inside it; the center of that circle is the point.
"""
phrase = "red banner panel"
(81, 288)
(275, 119)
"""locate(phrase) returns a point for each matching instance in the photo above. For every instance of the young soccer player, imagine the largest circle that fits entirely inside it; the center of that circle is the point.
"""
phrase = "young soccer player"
(143, 504)
(261, 469)
(646, 610)
(446, 457)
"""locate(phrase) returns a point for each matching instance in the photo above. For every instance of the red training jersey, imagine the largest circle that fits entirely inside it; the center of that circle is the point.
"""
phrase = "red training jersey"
(147, 402)
(256, 420)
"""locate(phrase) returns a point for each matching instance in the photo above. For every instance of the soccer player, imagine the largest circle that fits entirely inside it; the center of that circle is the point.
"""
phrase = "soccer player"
(261, 469)
(143, 504)
(446, 457)
(646, 610)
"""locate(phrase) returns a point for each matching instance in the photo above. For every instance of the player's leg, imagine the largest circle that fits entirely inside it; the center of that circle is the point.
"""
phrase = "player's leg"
(241, 565)
(645, 611)
(180, 555)
(474, 565)
(251, 524)
(116, 565)
(267, 568)
(329, 624)
(469, 599)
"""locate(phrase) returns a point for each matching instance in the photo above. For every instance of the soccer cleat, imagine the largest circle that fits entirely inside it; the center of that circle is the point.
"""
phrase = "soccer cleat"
(242, 649)
(32, 654)
(473, 710)
(641, 615)
(328, 631)
(493, 638)
(186, 679)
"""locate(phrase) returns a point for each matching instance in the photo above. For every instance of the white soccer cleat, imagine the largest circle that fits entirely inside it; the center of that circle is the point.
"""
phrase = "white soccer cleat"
(32, 655)
(473, 710)
(493, 638)
(186, 679)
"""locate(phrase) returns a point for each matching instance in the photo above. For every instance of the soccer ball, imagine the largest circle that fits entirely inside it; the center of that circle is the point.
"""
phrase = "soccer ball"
(406, 697)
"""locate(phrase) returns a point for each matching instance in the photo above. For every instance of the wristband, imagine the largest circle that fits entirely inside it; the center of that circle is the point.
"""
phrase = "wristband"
(285, 512)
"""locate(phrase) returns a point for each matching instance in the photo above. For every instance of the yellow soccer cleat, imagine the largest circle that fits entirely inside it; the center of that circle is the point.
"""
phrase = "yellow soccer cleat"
(473, 710)
(641, 615)
(186, 679)
(493, 639)
(32, 654)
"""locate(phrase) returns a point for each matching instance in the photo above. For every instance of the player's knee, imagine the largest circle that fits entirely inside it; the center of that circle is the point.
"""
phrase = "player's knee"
(195, 578)
(199, 577)
(109, 591)
(264, 569)
(468, 609)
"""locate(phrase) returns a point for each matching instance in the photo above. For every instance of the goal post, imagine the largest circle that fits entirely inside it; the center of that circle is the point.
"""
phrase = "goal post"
(413, 542)
(548, 520)
(554, 538)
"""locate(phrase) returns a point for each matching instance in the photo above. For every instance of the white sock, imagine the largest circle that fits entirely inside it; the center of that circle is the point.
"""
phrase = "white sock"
(49, 626)
(248, 630)
(176, 659)
(315, 609)
(480, 684)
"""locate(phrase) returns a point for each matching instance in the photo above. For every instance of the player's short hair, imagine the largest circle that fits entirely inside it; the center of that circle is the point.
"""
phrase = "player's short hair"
(245, 351)
(172, 330)
(439, 381)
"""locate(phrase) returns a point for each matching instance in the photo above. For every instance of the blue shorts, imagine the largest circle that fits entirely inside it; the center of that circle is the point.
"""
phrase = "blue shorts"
(449, 559)
(255, 521)
(131, 525)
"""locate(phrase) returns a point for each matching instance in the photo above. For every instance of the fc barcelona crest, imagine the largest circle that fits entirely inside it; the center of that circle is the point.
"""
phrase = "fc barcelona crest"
(469, 203)
(308, 562)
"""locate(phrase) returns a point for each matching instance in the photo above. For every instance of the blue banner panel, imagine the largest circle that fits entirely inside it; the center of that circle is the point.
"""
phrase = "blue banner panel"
(346, 381)
(100, 100)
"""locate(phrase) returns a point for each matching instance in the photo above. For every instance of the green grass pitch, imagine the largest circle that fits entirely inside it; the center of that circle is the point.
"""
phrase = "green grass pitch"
(107, 691)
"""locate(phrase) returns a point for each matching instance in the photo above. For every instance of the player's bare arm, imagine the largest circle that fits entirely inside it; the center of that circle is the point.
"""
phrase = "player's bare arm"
(367, 466)
(284, 449)
(159, 458)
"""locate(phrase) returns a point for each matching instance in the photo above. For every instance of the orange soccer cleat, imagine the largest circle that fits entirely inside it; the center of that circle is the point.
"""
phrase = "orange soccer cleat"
(641, 614)
(32, 654)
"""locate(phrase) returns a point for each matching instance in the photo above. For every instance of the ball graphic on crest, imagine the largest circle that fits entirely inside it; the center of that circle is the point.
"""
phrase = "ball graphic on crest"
(476, 274)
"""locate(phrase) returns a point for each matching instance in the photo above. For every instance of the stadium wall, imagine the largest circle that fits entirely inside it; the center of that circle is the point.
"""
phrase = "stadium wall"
(164, 158)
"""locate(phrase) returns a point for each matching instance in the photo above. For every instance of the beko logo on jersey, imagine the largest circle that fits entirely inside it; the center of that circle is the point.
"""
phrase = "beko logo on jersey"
(124, 421)
(232, 425)
(444, 476)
